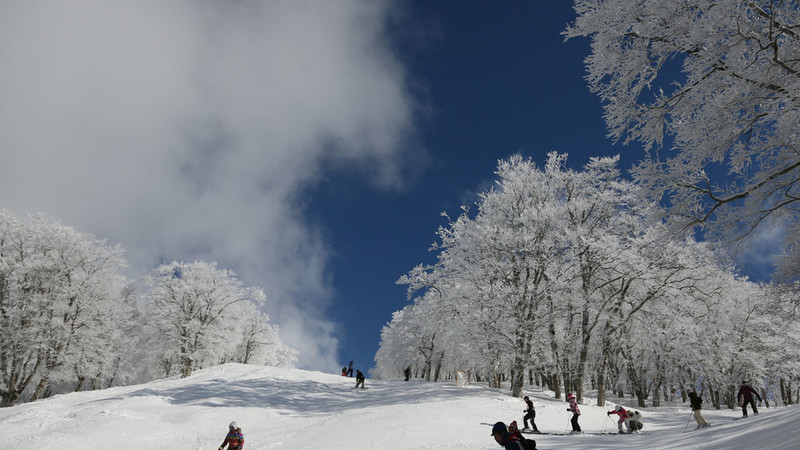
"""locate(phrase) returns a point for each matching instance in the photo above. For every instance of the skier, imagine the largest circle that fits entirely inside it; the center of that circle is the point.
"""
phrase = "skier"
(407, 372)
(530, 413)
(576, 412)
(634, 421)
(697, 405)
(350, 369)
(359, 379)
(620, 411)
(745, 396)
(235, 439)
(509, 441)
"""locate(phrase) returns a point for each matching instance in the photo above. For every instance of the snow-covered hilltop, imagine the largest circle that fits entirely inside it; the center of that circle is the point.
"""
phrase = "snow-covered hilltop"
(292, 408)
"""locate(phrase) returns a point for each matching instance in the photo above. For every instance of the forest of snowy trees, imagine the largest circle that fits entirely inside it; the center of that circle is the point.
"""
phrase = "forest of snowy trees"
(69, 319)
(583, 279)
(568, 279)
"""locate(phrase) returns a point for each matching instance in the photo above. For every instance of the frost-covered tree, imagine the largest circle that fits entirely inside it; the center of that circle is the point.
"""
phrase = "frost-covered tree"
(62, 302)
(198, 315)
(709, 87)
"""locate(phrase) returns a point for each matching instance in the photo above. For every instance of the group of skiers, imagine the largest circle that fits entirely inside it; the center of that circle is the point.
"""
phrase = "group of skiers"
(512, 439)
(347, 371)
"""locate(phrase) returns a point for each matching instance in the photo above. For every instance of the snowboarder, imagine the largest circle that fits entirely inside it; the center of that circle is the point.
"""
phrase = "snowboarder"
(235, 439)
(576, 412)
(350, 369)
(697, 405)
(634, 421)
(530, 413)
(407, 372)
(359, 379)
(510, 441)
(344, 371)
(620, 411)
(745, 396)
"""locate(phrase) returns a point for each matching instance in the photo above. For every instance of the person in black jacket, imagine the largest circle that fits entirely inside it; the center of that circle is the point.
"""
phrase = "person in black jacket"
(745, 396)
(530, 413)
(359, 379)
(697, 405)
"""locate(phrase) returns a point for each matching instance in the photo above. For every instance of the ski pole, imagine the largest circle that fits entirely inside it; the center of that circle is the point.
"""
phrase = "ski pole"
(687, 421)
(605, 424)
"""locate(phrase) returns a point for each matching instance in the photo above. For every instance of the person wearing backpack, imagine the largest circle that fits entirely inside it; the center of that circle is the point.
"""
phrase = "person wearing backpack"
(530, 413)
(697, 405)
(234, 439)
(511, 440)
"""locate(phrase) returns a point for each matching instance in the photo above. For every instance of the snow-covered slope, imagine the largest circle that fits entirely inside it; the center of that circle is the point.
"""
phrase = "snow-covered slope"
(290, 408)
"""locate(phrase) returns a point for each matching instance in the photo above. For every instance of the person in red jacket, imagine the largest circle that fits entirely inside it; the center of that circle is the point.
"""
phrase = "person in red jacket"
(620, 411)
(745, 396)
(235, 439)
(509, 441)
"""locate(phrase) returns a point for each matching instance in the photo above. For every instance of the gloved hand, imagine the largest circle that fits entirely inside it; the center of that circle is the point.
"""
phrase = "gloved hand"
(608, 413)
(569, 409)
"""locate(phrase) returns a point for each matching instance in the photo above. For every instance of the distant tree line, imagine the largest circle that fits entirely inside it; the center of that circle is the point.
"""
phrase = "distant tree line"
(69, 319)
(569, 280)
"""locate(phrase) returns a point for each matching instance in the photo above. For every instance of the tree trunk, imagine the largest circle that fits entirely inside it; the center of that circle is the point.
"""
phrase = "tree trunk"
(601, 381)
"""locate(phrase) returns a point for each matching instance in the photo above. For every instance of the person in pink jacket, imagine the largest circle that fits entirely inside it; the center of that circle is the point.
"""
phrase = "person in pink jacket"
(576, 412)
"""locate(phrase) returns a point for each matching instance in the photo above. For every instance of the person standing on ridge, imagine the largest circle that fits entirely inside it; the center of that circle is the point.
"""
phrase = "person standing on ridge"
(620, 411)
(407, 372)
(697, 405)
(530, 413)
(350, 369)
(745, 396)
(576, 412)
(234, 439)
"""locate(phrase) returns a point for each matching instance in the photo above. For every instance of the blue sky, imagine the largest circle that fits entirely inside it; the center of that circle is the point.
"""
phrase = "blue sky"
(499, 79)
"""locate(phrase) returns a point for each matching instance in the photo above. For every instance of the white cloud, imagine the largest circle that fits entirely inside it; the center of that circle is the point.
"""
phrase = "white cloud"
(189, 130)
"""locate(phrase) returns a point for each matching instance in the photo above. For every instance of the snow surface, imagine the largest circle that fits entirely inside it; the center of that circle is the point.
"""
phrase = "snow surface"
(292, 408)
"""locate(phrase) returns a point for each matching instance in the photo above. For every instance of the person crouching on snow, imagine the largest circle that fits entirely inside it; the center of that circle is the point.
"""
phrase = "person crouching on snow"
(620, 411)
(235, 439)
(634, 421)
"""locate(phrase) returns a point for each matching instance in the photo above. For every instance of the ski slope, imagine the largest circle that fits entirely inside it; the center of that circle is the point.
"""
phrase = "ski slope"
(292, 408)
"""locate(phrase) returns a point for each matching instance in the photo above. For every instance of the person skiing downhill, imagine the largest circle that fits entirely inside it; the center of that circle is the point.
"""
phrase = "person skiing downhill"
(234, 439)
(697, 405)
(745, 396)
(623, 414)
(530, 413)
(359, 379)
(576, 412)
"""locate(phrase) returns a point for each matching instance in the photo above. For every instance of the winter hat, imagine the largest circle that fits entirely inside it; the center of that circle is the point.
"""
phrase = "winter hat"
(525, 398)
(569, 395)
(499, 427)
(234, 425)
